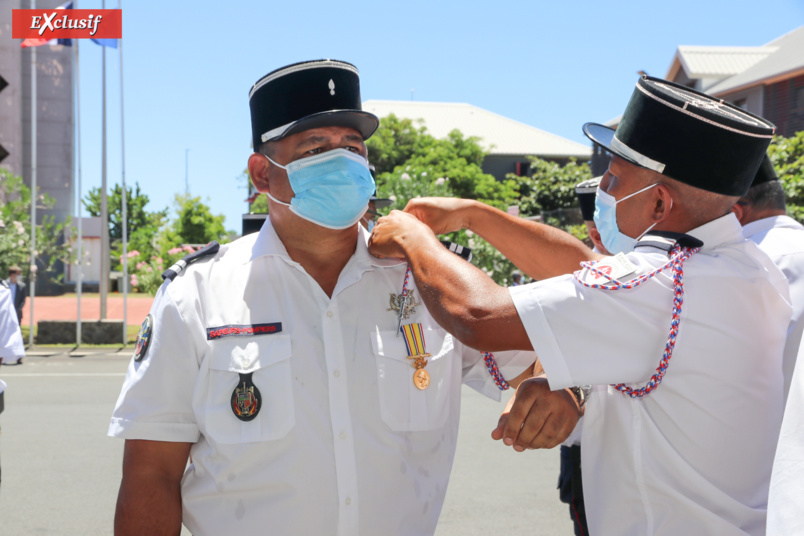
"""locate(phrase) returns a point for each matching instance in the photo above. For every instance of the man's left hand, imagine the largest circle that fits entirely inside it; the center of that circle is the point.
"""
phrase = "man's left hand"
(537, 417)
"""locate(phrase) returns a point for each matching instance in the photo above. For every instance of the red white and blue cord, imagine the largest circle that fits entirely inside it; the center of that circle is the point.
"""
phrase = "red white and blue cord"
(488, 357)
(676, 262)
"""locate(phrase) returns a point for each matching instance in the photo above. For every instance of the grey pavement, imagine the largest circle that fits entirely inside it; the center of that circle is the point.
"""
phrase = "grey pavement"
(60, 473)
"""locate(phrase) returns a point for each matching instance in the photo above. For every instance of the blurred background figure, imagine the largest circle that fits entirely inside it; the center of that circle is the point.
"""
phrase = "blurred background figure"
(586, 192)
(18, 290)
(371, 215)
(763, 214)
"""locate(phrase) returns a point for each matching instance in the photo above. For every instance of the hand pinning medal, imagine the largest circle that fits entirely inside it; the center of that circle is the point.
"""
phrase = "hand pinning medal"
(417, 351)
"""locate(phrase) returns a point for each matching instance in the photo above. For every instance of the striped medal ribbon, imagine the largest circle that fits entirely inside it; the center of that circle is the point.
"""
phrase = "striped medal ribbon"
(488, 357)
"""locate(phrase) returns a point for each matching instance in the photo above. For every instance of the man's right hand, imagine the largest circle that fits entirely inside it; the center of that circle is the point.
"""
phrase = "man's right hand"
(537, 417)
(441, 214)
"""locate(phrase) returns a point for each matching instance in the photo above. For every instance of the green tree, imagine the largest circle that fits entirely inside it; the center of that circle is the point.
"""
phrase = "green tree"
(411, 163)
(195, 223)
(15, 234)
(143, 227)
(787, 155)
(395, 142)
(136, 215)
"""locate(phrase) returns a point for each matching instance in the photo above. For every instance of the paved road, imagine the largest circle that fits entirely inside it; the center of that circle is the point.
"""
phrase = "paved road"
(61, 472)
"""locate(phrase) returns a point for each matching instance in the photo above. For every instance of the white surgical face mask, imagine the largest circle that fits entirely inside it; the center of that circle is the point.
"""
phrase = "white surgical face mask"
(606, 222)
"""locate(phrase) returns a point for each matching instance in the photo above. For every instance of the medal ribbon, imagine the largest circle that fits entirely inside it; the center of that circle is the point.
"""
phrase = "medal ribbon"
(488, 357)
(414, 339)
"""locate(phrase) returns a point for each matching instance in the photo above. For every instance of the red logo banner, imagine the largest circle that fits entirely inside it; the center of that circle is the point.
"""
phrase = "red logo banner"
(67, 23)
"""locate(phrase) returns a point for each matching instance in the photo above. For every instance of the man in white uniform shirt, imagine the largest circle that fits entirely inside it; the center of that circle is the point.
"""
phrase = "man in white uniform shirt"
(690, 450)
(11, 345)
(763, 214)
(308, 385)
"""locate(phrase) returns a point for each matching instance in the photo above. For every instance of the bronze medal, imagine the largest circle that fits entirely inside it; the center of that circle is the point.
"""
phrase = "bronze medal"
(421, 379)
(246, 399)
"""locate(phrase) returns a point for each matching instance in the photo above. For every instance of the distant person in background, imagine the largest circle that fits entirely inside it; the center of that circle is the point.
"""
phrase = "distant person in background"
(570, 481)
(516, 279)
(18, 290)
(763, 214)
(370, 217)
(585, 192)
(12, 348)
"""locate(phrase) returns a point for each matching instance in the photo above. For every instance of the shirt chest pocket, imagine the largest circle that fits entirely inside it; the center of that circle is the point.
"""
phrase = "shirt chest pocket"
(403, 406)
(267, 359)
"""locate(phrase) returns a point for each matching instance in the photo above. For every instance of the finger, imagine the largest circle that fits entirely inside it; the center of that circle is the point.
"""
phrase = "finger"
(532, 428)
(497, 433)
(560, 420)
(516, 415)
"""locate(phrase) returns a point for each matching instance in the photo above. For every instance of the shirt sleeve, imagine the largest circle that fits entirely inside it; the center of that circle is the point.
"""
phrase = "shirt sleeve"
(477, 376)
(579, 332)
(156, 399)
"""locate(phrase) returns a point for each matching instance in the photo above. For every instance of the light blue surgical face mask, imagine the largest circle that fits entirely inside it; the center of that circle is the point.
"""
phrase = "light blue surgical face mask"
(330, 189)
(606, 222)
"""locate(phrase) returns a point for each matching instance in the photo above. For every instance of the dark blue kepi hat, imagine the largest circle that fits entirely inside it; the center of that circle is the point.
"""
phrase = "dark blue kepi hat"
(765, 173)
(688, 136)
(586, 192)
(311, 94)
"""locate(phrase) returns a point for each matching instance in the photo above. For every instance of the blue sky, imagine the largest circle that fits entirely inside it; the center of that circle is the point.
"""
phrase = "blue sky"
(188, 67)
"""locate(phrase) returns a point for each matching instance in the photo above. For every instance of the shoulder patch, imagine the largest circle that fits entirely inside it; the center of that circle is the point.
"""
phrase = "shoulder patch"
(609, 267)
(667, 240)
(144, 338)
(210, 249)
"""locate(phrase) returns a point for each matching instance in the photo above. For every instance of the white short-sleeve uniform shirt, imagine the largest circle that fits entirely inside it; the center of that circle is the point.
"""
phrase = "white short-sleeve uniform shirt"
(344, 442)
(782, 238)
(694, 456)
(11, 344)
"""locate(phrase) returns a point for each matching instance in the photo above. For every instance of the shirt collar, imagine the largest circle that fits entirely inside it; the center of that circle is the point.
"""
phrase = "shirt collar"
(721, 231)
(269, 243)
(766, 224)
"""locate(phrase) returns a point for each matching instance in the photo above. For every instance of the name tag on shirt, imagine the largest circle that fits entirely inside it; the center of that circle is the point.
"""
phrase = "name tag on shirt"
(246, 330)
(615, 267)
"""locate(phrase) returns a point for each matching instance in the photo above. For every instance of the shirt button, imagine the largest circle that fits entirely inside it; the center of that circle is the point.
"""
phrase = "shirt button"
(337, 373)
(342, 435)
(329, 314)
(348, 501)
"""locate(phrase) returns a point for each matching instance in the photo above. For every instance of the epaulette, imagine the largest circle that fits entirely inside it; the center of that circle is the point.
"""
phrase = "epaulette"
(461, 251)
(210, 249)
(667, 240)
(4, 283)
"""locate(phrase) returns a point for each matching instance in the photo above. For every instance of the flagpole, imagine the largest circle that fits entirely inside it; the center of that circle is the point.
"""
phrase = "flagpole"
(104, 272)
(80, 281)
(32, 271)
(125, 195)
